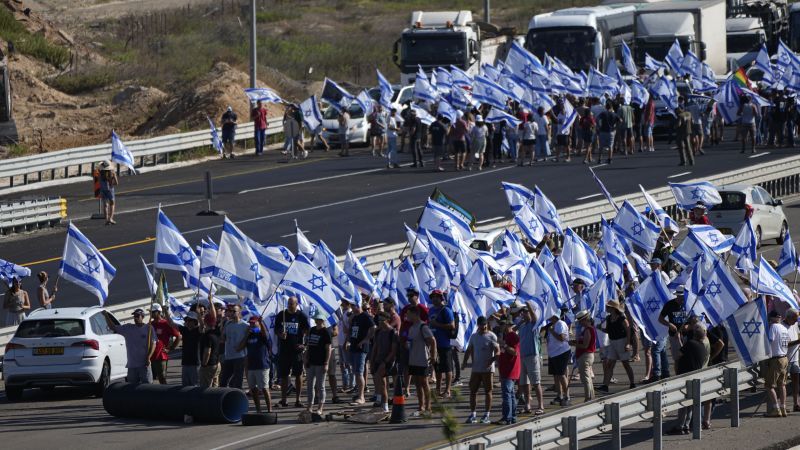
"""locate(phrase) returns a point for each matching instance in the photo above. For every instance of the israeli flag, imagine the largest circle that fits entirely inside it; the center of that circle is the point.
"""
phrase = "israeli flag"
(466, 321)
(600, 84)
(264, 95)
(460, 99)
(614, 252)
(426, 279)
(600, 293)
(423, 90)
(387, 91)
(445, 110)
(689, 250)
(460, 78)
(512, 252)
(674, 58)
(517, 196)
(744, 247)
(748, 329)
(365, 102)
(84, 265)
(312, 116)
(547, 212)
(603, 189)
(236, 267)
(627, 60)
(687, 195)
(636, 228)
(173, 252)
(720, 296)
(440, 272)
(691, 65)
(273, 261)
(530, 225)
(645, 306)
(216, 142)
(763, 64)
(417, 244)
(771, 283)
(642, 266)
(444, 81)
(304, 246)
(341, 281)
(423, 115)
(523, 63)
(566, 118)
(359, 276)
(490, 93)
(406, 279)
(497, 116)
(517, 89)
(579, 258)
(666, 222)
(10, 271)
(786, 57)
(336, 95)
(304, 279)
(558, 273)
(639, 94)
(470, 285)
(713, 238)
(120, 153)
(788, 261)
(728, 102)
(757, 100)
(442, 258)
(538, 287)
(652, 64)
(208, 256)
(445, 224)
(491, 72)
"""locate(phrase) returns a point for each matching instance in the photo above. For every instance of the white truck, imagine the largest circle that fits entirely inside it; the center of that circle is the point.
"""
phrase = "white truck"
(794, 26)
(445, 38)
(746, 35)
(581, 37)
(698, 26)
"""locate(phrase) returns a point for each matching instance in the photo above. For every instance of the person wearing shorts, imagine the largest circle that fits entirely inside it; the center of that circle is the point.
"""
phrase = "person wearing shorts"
(749, 114)
(542, 142)
(607, 124)
(531, 367)
(442, 321)
(790, 323)
(258, 361)
(558, 352)
(291, 328)
(620, 345)
(421, 355)
(483, 348)
(777, 366)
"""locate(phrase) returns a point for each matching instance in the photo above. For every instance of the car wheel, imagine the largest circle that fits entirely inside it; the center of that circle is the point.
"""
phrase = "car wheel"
(13, 393)
(781, 237)
(758, 237)
(102, 383)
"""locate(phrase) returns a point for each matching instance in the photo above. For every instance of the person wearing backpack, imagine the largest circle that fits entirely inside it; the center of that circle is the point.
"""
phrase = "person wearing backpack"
(445, 328)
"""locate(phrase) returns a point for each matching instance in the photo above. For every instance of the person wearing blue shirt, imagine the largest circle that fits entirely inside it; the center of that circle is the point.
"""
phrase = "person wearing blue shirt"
(531, 353)
(442, 321)
(256, 345)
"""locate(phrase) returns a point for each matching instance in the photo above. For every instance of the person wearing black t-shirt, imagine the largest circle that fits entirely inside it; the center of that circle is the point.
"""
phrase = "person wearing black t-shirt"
(674, 316)
(209, 357)
(317, 356)
(291, 328)
(362, 328)
(691, 356)
(190, 356)
(718, 343)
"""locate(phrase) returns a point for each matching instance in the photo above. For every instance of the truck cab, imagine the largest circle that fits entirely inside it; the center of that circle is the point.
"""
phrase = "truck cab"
(745, 36)
(794, 26)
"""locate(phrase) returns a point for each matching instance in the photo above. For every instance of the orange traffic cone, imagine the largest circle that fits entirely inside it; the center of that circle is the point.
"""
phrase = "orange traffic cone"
(398, 402)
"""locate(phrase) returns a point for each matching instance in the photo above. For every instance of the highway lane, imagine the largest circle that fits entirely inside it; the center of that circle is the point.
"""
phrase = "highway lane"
(332, 198)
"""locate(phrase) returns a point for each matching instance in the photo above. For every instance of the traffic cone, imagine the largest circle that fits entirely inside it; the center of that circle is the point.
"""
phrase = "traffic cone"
(398, 402)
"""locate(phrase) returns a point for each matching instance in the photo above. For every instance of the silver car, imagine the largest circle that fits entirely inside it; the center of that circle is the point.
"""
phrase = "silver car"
(357, 126)
(740, 201)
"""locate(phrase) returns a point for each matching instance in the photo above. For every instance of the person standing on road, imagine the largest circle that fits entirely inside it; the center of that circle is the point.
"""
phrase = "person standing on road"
(558, 352)
(606, 124)
(16, 303)
(346, 371)
(777, 366)
(209, 356)
(259, 117)
(140, 344)
(421, 357)
(229, 119)
(316, 362)
(438, 131)
(691, 356)
(477, 141)
(585, 348)
(45, 298)
(648, 122)
(108, 180)
(748, 116)
(673, 316)
(392, 128)
(458, 138)
(168, 340)
(344, 132)
(190, 353)
(291, 134)
(483, 348)
(382, 358)
(413, 301)
(291, 327)
(625, 128)
(509, 367)
(442, 321)
(531, 370)
(619, 349)
(362, 328)
(377, 130)
(696, 110)
(256, 345)
(414, 130)
(234, 332)
(683, 131)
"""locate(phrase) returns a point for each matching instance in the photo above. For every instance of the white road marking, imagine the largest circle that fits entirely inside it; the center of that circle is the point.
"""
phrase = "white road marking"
(353, 200)
(148, 208)
(313, 180)
(678, 175)
(599, 165)
(412, 209)
(369, 246)
(758, 155)
(492, 219)
(253, 437)
(588, 196)
(292, 234)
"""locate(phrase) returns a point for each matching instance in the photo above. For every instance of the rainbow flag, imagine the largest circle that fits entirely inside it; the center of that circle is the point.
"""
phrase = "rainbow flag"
(740, 77)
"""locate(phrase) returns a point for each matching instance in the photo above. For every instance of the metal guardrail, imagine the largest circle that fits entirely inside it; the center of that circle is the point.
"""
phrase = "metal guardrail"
(611, 413)
(24, 215)
(81, 161)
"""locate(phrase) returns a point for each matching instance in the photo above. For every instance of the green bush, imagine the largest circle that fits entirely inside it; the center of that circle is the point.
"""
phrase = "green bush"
(35, 45)
(272, 16)
(78, 83)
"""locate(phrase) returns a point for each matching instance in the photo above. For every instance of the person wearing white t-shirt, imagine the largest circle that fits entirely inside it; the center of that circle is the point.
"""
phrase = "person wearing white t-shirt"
(542, 142)
(558, 352)
(790, 322)
(775, 379)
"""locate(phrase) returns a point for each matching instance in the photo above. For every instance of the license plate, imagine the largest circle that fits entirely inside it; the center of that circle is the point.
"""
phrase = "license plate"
(47, 351)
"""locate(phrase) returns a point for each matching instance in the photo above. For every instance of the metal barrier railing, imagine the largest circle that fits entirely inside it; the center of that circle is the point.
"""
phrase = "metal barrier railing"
(26, 215)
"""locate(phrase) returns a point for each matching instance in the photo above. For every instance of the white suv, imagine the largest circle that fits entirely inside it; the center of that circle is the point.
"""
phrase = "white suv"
(740, 201)
(64, 347)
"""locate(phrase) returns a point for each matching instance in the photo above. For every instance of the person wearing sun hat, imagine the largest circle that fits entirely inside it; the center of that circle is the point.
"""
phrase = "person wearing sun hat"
(620, 346)
(585, 348)
(108, 180)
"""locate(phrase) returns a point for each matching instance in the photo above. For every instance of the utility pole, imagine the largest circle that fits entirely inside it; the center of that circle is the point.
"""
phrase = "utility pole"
(253, 43)
(486, 15)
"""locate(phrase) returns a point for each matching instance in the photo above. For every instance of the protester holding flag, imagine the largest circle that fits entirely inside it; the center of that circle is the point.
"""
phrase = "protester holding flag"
(140, 344)
(259, 117)
(531, 352)
(168, 339)
(16, 303)
(748, 115)
(392, 128)
(606, 125)
(108, 181)
(229, 119)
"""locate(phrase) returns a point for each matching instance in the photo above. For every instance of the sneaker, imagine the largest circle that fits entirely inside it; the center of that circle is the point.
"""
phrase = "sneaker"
(472, 418)
(602, 388)
(633, 386)
(502, 422)
(566, 402)
(555, 401)
(485, 418)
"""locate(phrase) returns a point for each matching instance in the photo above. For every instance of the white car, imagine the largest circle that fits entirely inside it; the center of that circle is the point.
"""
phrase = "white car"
(740, 201)
(64, 347)
(358, 126)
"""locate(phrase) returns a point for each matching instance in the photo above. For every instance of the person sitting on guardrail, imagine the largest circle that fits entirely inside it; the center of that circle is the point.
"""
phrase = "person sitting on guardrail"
(16, 303)
(140, 344)
(692, 356)
(108, 180)
(483, 349)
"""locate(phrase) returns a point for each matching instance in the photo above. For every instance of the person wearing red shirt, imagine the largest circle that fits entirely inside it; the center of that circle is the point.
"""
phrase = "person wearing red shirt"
(509, 362)
(164, 332)
(585, 348)
(402, 361)
(698, 215)
(259, 117)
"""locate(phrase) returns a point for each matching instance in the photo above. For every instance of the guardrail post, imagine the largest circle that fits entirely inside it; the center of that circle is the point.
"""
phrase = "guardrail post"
(697, 410)
(525, 439)
(732, 383)
(654, 405)
(616, 429)
(572, 431)
(478, 446)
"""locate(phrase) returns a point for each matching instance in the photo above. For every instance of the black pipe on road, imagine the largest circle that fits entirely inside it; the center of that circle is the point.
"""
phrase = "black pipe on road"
(164, 402)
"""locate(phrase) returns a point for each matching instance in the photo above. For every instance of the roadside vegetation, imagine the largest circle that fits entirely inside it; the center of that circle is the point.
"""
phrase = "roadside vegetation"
(27, 43)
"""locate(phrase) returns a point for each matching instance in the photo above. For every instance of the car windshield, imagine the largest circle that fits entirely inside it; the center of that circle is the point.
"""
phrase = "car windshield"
(355, 112)
(731, 201)
(49, 328)
(573, 46)
(431, 50)
(743, 43)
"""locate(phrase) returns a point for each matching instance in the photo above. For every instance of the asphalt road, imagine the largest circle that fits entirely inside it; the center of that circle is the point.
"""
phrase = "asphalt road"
(331, 197)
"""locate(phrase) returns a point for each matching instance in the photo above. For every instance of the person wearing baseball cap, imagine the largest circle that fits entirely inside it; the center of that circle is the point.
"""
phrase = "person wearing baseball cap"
(509, 370)
(190, 352)
(483, 348)
(140, 344)
(316, 361)
(674, 316)
(698, 214)
(168, 339)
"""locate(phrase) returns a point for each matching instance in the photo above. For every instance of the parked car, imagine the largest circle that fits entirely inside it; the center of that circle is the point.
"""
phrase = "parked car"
(740, 201)
(358, 125)
(402, 95)
(491, 241)
(64, 347)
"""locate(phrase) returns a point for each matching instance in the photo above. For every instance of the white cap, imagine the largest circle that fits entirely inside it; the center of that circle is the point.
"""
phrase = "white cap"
(459, 114)
(155, 307)
(478, 118)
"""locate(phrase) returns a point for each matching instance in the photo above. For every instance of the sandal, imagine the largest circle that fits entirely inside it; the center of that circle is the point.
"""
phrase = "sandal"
(538, 412)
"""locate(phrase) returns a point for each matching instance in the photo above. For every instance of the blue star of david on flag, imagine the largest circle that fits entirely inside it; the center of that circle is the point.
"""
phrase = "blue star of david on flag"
(445, 225)
(91, 264)
(7, 270)
(713, 288)
(637, 229)
(254, 269)
(698, 193)
(186, 255)
(751, 328)
(653, 304)
(534, 224)
(430, 283)
(317, 283)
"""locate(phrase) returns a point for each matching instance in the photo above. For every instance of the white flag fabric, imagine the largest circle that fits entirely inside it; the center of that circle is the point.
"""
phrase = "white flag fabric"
(728, 102)
(567, 118)
(365, 101)
(539, 288)
(645, 305)
(444, 224)
(359, 276)
(428, 282)
(713, 238)
(417, 244)
(745, 245)
(636, 228)
(312, 116)
(172, 251)
(120, 153)
(547, 212)
(303, 278)
(341, 281)
(9, 271)
(603, 189)
(84, 265)
(466, 323)
(748, 329)
(265, 95)
(770, 283)
(236, 267)
(674, 58)
(720, 297)
(304, 246)
(530, 225)
(627, 60)
(406, 279)
(517, 195)
(788, 261)
(689, 250)
(687, 195)
(216, 141)
(387, 92)
(664, 219)
(579, 258)
(208, 256)
(763, 63)
(614, 252)
(423, 90)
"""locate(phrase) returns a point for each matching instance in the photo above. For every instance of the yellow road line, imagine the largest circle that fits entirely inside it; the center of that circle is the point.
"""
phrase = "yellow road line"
(234, 174)
(113, 247)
